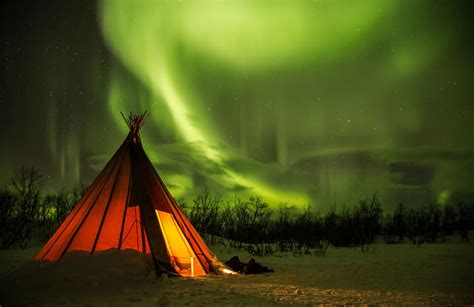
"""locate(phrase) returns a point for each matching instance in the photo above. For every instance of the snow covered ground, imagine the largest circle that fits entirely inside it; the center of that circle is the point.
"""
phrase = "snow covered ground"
(441, 274)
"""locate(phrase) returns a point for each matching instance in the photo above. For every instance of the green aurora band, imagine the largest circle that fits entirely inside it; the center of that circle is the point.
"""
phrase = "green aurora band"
(322, 102)
(249, 92)
(239, 35)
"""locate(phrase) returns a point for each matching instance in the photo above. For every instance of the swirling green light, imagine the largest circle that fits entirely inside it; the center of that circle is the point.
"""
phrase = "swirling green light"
(247, 37)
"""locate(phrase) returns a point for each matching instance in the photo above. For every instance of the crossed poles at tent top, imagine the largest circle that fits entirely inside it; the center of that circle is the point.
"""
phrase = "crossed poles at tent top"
(135, 122)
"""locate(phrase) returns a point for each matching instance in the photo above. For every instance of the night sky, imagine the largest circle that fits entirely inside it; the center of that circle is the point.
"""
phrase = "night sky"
(321, 102)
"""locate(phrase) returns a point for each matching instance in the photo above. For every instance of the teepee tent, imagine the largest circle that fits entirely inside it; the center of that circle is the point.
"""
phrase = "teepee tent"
(128, 207)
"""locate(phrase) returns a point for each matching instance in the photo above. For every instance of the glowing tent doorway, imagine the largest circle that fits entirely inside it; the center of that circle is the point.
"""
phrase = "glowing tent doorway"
(129, 207)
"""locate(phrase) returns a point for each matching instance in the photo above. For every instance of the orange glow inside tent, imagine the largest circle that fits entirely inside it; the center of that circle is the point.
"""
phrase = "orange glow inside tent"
(182, 255)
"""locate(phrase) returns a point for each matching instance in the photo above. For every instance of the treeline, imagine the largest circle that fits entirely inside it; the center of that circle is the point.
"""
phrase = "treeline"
(254, 225)
(28, 216)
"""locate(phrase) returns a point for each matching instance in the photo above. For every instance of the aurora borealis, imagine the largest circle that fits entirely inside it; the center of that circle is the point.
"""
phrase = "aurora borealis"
(321, 102)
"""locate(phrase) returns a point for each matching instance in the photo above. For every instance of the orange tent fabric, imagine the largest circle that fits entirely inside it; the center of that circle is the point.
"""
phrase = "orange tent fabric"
(129, 207)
